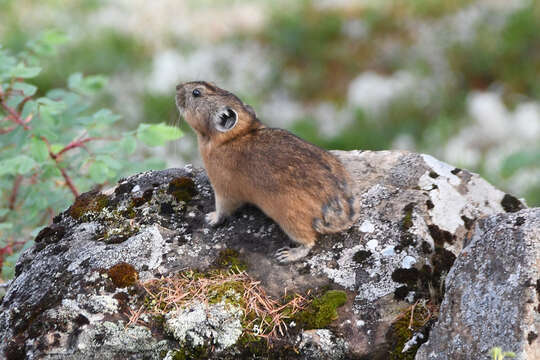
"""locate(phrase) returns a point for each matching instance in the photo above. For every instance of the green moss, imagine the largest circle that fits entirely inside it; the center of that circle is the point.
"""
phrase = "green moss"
(129, 213)
(92, 201)
(256, 347)
(188, 353)
(118, 231)
(402, 330)
(252, 344)
(229, 259)
(123, 274)
(322, 311)
(230, 292)
(117, 227)
(406, 222)
(182, 188)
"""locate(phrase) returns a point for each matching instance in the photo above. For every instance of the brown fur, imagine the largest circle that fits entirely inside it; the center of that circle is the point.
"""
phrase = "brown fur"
(303, 188)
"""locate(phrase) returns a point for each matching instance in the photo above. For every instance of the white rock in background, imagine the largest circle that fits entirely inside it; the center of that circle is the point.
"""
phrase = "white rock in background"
(372, 91)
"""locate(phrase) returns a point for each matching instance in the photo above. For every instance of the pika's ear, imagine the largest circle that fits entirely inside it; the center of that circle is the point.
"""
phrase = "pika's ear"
(250, 110)
(225, 119)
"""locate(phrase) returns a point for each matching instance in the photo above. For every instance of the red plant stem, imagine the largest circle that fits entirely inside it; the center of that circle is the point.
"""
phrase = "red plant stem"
(69, 183)
(14, 115)
(15, 191)
(7, 130)
(24, 101)
(8, 249)
(50, 211)
(75, 144)
(67, 178)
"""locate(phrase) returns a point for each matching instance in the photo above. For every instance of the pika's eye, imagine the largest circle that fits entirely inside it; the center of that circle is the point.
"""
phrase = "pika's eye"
(196, 93)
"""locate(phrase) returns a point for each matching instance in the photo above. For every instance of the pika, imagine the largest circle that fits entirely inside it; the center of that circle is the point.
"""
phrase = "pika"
(303, 188)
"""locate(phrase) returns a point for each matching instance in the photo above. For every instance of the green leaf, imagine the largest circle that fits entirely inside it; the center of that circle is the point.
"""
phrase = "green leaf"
(29, 243)
(71, 100)
(38, 149)
(105, 116)
(25, 72)
(86, 85)
(109, 161)
(99, 172)
(8, 268)
(47, 120)
(127, 145)
(7, 63)
(27, 89)
(48, 41)
(43, 129)
(14, 100)
(56, 147)
(4, 211)
(51, 106)
(157, 134)
(20, 164)
(50, 171)
(4, 226)
(29, 108)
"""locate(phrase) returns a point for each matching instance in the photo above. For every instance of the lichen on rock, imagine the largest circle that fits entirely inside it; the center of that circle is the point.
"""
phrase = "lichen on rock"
(200, 324)
(322, 344)
(492, 291)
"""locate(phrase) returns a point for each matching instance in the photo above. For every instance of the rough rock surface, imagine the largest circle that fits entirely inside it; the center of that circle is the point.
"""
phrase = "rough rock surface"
(76, 287)
(492, 292)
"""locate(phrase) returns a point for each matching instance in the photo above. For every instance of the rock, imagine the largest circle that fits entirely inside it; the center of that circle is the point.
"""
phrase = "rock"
(78, 291)
(492, 292)
(322, 344)
(199, 322)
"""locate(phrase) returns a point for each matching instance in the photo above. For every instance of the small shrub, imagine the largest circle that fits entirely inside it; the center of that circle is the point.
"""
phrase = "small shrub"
(54, 146)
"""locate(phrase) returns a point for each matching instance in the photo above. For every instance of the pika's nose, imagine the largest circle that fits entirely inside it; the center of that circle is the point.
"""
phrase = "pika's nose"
(178, 87)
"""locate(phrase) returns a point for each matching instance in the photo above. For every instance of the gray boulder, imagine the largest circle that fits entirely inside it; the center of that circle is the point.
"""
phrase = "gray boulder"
(492, 292)
(374, 288)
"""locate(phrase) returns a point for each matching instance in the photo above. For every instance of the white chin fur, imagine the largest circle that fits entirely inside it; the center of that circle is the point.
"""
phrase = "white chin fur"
(181, 110)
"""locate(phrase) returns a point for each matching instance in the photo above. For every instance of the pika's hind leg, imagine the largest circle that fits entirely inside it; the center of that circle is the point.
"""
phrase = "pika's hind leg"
(224, 208)
(288, 255)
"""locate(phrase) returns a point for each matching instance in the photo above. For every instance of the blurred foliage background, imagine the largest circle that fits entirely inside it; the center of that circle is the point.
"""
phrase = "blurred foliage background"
(455, 79)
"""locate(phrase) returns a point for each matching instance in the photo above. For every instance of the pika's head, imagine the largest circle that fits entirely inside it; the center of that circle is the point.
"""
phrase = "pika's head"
(213, 112)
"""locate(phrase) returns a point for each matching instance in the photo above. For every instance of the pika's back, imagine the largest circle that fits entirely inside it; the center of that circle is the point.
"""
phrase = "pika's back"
(273, 163)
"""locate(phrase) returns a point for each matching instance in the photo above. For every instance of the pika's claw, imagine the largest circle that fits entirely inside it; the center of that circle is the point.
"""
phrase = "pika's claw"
(213, 218)
(282, 255)
(287, 255)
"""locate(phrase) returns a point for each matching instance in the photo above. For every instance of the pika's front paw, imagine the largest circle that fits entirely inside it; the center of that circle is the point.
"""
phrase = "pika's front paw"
(287, 255)
(213, 218)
